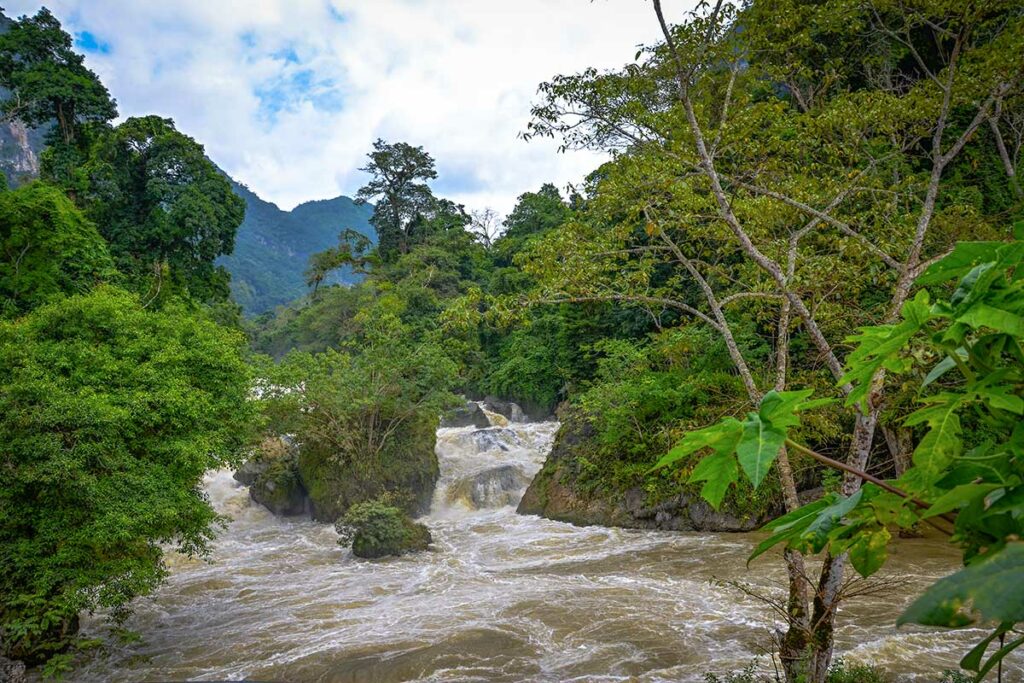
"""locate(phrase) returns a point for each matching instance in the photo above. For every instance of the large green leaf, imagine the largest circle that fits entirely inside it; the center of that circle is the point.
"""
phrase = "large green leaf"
(868, 553)
(717, 471)
(719, 436)
(758, 447)
(983, 315)
(959, 497)
(964, 257)
(992, 589)
(791, 524)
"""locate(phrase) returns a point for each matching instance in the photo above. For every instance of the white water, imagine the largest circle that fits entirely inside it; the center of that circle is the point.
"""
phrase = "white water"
(501, 597)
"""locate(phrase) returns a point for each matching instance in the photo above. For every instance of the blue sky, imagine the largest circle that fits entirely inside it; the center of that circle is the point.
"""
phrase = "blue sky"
(288, 95)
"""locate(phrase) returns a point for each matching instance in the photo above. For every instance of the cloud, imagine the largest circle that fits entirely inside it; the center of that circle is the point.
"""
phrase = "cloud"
(288, 95)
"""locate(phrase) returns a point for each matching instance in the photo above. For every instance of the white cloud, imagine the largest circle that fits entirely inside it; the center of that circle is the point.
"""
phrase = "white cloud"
(288, 95)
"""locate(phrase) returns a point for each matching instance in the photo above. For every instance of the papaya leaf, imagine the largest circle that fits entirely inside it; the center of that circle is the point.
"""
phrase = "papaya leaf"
(723, 434)
(778, 407)
(758, 447)
(868, 553)
(959, 262)
(818, 530)
(944, 366)
(717, 471)
(791, 525)
(989, 589)
(959, 497)
(984, 315)
(999, 655)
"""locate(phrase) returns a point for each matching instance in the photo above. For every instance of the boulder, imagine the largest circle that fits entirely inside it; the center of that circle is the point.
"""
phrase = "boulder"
(495, 439)
(468, 415)
(279, 490)
(558, 492)
(510, 410)
(406, 470)
(11, 671)
(490, 488)
(376, 529)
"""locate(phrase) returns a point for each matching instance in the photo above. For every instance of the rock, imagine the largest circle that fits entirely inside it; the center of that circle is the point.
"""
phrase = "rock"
(495, 487)
(11, 671)
(495, 439)
(510, 410)
(375, 529)
(556, 493)
(468, 415)
(272, 476)
(406, 470)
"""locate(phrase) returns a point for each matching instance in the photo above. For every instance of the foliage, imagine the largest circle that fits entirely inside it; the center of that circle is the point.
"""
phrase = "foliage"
(48, 249)
(399, 173)
(965, 353)
(111, 414)
(376, 529)
(48, 81)
(165, 209)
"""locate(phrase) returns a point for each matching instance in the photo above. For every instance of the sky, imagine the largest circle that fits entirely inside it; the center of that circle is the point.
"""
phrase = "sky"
(288, 95)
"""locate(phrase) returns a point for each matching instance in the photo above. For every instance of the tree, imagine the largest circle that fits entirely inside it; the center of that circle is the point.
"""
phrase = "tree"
(48, 249)
(48, 82)
(486, 225)
(165, 209)
(964, 355)
(398, 185)
(750, 174)
(109, 417)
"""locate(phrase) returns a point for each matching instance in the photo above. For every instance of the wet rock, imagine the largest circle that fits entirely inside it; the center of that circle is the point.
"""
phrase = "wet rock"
(375, 529)
(557, 493)
(11, 671)
(275, 482)
(495, 439)
(491, 488)
(510, 410)
(468, 415)
(406, 469)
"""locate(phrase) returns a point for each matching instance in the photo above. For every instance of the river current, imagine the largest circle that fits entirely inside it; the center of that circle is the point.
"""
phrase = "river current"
(500, 596)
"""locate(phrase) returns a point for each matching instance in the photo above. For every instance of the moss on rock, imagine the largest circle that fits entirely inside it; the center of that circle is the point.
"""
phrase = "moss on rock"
(377, 529)
(406, 470)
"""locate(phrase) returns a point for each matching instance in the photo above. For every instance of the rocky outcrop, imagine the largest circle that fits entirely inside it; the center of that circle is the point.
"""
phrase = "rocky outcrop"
(376, 529)
(490, 488)
(556, 493)
(406, 470)
(468, 415)
(272, 476)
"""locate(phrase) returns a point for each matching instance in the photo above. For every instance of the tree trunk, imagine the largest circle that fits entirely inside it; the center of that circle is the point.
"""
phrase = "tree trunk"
(901, 446)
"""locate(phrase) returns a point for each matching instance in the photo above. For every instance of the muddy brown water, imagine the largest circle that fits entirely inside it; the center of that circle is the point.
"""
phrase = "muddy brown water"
(501, 597)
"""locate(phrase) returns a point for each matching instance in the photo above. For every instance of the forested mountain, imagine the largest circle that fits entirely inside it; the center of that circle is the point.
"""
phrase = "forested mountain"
(273, 246)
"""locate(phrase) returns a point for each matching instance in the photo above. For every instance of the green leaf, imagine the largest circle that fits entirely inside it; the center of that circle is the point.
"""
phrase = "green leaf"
(942, 442)
(983, 315)
(791, 525)
(999, 655)
(944, 366)
(868, 553)
(993, 589)
(972, 660)
(778, 407)
(717, 472)
(721, 435)
(959, 497)
(827, 519)
(959, 262)
(758, 447)
(1001, 398)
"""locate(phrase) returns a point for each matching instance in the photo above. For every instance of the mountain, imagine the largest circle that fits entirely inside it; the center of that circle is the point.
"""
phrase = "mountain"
(273, 247)
(19, 145)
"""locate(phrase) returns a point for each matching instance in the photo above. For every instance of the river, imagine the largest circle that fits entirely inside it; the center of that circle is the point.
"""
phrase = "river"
(500, 597)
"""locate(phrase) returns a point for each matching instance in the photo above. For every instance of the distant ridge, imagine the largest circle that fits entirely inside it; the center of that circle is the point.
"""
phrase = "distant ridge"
(273, 247)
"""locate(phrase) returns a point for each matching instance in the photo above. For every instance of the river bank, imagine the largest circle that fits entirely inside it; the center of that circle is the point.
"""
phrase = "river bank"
(501, 597)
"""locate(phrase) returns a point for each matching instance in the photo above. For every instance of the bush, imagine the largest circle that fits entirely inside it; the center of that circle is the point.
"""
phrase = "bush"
(376, 529)
(109, 417)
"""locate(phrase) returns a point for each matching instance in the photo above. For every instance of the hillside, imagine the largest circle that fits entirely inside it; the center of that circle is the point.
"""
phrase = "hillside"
(273, 247)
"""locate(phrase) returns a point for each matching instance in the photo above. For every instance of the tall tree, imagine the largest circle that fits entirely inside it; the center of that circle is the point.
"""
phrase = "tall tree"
(754, 171)
(163, 206)
(48, 82)
(399, 186)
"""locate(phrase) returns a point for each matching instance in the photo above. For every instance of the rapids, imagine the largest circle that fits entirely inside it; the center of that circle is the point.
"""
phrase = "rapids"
(501, 597)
